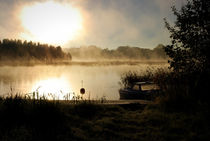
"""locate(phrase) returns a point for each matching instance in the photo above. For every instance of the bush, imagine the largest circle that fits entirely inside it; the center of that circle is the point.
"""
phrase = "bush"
(177, 90)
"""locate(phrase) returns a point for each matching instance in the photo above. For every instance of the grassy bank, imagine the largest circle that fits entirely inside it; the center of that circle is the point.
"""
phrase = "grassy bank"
(23, 119)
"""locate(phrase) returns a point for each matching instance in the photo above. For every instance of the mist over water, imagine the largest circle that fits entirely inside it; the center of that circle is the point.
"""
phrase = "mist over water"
(98, 80)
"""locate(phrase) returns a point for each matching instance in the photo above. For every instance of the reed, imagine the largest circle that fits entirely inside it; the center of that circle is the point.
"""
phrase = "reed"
(178, 91)
(39, 119)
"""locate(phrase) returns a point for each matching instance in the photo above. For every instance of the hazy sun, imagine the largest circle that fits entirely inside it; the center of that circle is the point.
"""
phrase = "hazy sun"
(51, 22)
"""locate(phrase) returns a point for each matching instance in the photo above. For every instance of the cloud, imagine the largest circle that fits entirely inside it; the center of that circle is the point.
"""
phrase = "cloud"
(114, 23)
(107, 23)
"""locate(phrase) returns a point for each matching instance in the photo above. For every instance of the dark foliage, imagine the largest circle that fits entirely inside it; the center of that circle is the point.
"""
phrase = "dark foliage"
(19, 50)
(189, 51)
(32, 120)
(183, 92)
(178, 91)
(188, 83)
(23, 119)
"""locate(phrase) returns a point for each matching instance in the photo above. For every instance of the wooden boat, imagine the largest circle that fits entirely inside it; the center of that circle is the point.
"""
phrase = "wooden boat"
(139, 90)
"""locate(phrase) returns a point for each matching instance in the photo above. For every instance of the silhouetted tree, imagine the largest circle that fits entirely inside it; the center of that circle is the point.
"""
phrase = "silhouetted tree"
(189, 51)
(16, 49)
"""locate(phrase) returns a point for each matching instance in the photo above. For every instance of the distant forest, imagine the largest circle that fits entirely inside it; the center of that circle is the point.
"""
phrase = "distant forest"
(18, 50)
(24, 50)
(122, 52)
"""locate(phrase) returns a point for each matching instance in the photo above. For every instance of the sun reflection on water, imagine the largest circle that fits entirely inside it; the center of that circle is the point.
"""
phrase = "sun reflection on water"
(53, 88)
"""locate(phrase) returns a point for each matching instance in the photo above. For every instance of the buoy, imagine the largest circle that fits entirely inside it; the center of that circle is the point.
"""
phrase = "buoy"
(82, 90)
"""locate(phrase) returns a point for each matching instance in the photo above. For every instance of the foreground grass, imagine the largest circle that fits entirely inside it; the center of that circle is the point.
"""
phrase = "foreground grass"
(23, 119)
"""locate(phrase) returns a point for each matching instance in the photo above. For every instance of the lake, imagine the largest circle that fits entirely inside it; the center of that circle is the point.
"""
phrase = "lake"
(55, 81)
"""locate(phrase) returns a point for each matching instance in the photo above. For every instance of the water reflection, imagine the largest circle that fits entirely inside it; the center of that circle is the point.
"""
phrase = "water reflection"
(53, 88)
(58, 80)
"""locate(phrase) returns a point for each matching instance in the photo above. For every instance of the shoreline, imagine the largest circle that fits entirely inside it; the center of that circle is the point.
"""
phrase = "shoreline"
(83, 63)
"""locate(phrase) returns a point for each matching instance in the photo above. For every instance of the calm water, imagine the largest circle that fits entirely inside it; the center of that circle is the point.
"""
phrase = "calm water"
(98, 81)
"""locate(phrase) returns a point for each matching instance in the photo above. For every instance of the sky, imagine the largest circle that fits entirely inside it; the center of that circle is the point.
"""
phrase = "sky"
(104, 23)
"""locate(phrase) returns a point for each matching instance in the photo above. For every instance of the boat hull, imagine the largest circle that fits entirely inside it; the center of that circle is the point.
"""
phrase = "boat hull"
(142, 95)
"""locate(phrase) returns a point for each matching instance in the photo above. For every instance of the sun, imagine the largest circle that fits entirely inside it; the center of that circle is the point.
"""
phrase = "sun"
(51, 22)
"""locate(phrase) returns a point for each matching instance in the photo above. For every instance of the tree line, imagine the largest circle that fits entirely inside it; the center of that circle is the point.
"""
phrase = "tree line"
(28, 50)
(122, 52)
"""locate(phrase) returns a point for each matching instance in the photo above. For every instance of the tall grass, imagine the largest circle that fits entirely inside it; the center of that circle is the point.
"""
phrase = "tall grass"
(178, 91)
(31, 120)
(128, 78)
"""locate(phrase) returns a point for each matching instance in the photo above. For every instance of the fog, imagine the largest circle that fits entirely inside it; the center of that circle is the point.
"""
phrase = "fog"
(98, 80)
(122, 53)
